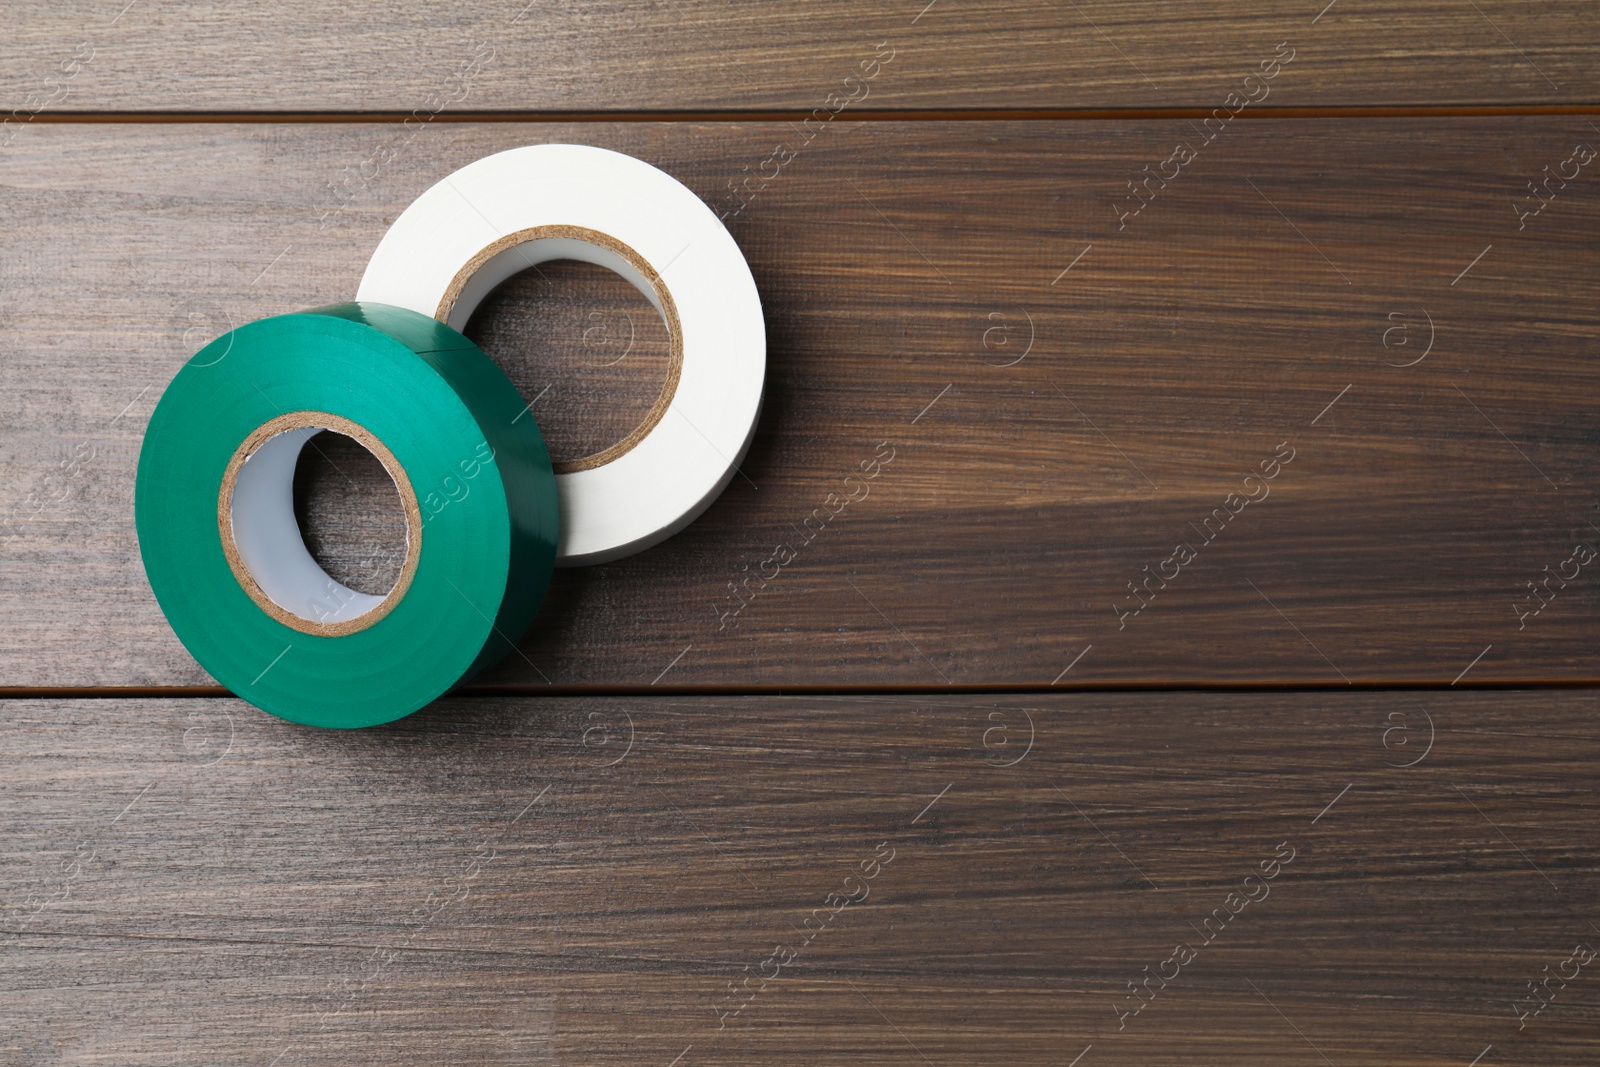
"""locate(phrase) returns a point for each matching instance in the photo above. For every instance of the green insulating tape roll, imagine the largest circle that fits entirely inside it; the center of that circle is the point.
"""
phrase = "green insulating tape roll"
(215, 513)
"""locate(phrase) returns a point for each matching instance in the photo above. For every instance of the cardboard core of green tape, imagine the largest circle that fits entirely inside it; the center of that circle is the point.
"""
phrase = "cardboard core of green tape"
(214, 512)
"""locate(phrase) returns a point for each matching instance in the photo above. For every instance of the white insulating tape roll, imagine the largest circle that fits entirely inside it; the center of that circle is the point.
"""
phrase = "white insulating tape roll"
(519, 208)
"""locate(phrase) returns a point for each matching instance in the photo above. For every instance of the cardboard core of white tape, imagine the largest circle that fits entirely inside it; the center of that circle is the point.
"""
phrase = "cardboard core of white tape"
(261, 537)
(514, 210)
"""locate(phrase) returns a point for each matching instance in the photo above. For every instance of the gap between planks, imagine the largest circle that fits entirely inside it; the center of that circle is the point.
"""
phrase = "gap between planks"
(797, 114)
(198, 692)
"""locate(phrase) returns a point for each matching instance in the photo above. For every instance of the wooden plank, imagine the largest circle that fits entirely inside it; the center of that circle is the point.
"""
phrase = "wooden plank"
(1268, 299)
(584, 879)
(699, 55)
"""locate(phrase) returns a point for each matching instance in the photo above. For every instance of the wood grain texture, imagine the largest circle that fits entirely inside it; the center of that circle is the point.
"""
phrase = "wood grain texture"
(1064, 400)
(585, 347)
(697, 54)
(1323, 389)
(581, 880)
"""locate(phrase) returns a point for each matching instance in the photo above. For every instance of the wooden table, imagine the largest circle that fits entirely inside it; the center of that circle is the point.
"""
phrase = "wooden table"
(1205, 676)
